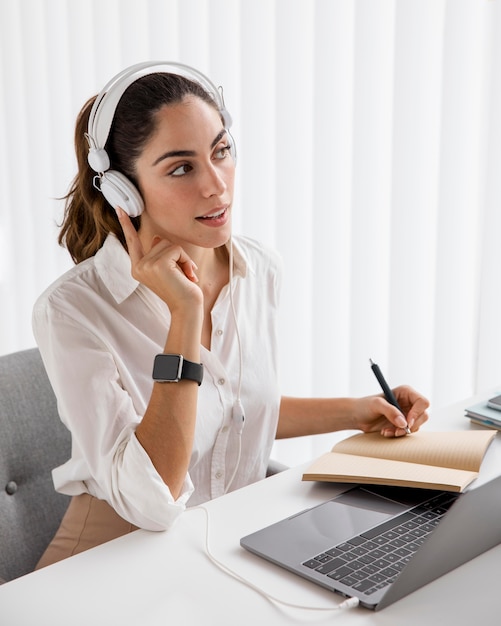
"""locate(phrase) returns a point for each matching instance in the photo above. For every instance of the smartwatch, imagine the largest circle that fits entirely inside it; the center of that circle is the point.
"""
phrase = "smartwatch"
(171, 368)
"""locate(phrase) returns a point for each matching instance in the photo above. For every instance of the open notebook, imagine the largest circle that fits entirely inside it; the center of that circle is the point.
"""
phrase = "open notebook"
(434, 460)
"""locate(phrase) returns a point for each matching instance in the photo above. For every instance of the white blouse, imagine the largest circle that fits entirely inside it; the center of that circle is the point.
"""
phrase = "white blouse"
(99, 330)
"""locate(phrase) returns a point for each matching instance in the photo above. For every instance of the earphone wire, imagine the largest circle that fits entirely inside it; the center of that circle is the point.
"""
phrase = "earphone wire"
(237, 407)
(348, 603)
(234, 314)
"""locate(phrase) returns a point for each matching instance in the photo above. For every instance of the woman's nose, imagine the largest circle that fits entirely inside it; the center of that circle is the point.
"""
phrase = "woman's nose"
(213, 182)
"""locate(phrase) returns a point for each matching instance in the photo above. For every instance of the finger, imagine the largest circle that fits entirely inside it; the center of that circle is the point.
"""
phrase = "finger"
(416, 423)
(188, 266)
(134, 245)
(178, 257)
(398, 420)
(393, 432)
(415, 405)
(411, 399)
(418, 413)
(391, 413)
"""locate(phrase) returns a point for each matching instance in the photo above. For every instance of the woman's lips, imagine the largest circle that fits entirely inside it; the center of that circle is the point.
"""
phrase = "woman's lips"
(216, 218)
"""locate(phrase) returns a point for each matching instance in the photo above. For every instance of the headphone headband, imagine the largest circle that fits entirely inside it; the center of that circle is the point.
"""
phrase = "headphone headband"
(103, 110)
(115, 187)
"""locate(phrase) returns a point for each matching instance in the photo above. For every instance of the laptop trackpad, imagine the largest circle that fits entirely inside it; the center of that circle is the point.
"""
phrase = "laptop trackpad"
(316, 530)
(349, 514)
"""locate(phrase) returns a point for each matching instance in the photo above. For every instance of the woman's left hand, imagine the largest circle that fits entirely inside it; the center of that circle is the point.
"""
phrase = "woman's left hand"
(376, 414)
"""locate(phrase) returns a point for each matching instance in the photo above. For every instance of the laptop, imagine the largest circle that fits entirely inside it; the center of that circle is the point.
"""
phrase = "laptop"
(381, 543)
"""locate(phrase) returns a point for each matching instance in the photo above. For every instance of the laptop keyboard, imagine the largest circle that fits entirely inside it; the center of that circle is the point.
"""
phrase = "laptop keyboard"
(372, 560)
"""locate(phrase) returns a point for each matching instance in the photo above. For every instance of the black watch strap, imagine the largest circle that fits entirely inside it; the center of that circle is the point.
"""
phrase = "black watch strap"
(171, 368)
(192, 371)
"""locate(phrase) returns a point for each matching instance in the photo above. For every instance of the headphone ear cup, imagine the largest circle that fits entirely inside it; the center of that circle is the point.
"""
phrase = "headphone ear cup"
(98, 159)
(120, 192)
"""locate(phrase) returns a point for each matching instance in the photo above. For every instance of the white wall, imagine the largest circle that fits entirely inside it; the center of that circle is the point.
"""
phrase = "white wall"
(369, 154)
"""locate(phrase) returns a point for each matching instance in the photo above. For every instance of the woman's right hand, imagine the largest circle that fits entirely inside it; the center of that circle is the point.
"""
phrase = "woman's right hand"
(167, 428)
(166, 269)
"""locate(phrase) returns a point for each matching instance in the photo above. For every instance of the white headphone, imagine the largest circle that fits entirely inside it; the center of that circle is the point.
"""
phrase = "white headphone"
(115, 186)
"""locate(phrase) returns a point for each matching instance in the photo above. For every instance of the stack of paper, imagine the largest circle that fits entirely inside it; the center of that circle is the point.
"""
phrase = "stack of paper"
(485, 416)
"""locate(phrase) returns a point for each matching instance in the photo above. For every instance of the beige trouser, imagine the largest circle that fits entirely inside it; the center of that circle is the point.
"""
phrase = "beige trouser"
(88, 522)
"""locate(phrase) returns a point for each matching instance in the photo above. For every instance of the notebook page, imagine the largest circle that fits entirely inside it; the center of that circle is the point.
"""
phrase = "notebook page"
(462, 449)
(349, 468)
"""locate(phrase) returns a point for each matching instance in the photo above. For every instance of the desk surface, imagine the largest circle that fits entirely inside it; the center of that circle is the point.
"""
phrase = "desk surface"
(150, 579)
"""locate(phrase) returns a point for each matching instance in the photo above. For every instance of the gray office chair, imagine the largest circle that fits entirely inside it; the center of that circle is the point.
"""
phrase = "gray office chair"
(32, 442)
(275, 467)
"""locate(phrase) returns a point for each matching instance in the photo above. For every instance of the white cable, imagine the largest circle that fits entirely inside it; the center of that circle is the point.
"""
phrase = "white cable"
(233, 311)
(349, 603)
(238, 415)
(236, 464)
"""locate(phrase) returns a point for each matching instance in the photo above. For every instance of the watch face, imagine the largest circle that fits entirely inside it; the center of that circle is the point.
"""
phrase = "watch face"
(167, 367)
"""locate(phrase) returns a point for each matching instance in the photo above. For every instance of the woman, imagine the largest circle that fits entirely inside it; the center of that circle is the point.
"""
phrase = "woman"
(163, 286)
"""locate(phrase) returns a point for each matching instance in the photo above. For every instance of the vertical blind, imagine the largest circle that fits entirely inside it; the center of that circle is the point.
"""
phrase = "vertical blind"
(369, 141)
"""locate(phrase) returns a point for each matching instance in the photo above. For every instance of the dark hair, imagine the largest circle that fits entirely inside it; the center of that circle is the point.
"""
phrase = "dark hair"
(88, 218)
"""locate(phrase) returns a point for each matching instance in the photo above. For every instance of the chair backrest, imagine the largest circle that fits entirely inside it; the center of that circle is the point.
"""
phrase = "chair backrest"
(32, 442)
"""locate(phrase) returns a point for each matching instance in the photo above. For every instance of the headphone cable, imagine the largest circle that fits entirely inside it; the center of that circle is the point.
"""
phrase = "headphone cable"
(238, 414)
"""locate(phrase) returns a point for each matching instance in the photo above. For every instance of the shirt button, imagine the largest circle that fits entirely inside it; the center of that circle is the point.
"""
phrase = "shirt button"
(11, 487)
(221, 381)
(218, 475)
(219, 332)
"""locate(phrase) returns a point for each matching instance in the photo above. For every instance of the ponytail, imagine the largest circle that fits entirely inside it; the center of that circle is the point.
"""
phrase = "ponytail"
(88, 218)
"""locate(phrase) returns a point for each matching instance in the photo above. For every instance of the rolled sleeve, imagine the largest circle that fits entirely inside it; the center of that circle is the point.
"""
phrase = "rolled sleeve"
(140, 495)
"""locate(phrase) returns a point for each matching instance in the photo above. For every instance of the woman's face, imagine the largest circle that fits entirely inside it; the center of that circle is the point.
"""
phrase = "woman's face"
(186, 177)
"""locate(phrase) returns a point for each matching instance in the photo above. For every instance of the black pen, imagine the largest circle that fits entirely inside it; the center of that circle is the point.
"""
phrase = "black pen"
(388, 393)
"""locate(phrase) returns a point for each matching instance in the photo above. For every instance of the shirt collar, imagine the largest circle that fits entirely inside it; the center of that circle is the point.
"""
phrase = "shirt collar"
(114, 269)
(241, 261)
(113, 266)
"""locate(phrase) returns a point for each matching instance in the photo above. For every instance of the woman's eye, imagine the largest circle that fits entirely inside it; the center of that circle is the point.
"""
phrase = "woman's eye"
(223, 152)
(181, 170)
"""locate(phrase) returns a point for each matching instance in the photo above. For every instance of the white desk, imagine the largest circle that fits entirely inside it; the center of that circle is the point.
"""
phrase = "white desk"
(146, 579)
